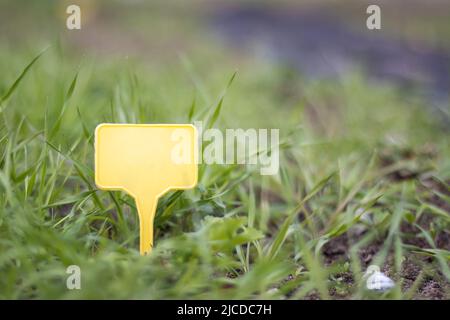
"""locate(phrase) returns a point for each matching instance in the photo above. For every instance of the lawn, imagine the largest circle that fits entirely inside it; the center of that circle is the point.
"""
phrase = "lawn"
(364, 179)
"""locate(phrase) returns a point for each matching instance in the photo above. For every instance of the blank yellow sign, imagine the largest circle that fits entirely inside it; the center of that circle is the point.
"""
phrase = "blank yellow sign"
(146, 161)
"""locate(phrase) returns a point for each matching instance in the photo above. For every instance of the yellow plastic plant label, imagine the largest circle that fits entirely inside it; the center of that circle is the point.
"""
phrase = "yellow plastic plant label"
(146, 161)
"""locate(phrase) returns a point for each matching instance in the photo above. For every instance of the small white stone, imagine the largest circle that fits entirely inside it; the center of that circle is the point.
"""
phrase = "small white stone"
(364, 215)
(377, 280)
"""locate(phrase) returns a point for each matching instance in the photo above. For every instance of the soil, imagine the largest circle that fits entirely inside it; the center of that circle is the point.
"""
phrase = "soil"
(433, 286)
(431, 283)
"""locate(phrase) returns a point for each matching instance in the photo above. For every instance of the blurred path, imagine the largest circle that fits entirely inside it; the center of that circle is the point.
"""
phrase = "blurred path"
(319, 45)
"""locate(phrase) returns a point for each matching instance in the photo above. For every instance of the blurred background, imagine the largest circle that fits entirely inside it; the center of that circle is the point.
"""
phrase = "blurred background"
(313, 39)
(309, 39)
(363, 118)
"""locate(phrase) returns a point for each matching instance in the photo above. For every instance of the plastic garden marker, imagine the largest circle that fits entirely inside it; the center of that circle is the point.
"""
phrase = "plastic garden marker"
(146, 161)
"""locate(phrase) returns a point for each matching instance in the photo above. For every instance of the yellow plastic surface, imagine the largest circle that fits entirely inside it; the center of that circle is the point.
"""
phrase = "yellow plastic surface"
(146, 161)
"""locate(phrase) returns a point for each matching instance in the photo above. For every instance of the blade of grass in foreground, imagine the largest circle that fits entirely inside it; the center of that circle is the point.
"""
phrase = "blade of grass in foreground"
(214, 113)
(69, 94)
(282, 234)
(13, 87)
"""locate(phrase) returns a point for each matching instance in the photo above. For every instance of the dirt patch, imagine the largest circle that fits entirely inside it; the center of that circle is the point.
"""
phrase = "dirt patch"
(415, 269)
(313, 295)
(413, 235)
(336, 249)
(431, 289)
(390, 156)
(443, 240)
(366, 254)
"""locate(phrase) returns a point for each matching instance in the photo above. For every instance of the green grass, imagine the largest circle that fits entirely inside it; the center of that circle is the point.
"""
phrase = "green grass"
(348, 148)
